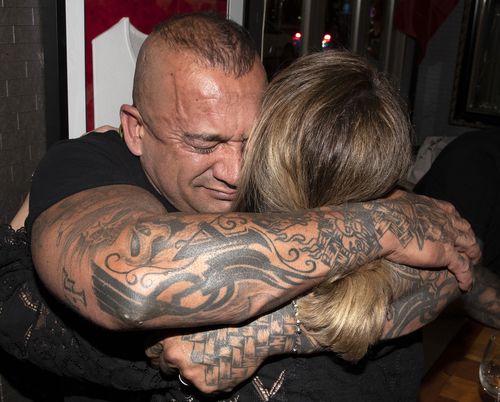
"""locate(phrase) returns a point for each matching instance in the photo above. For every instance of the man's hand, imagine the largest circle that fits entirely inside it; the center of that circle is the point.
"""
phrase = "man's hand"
(427, 233)
(482, 303)
(218, 360)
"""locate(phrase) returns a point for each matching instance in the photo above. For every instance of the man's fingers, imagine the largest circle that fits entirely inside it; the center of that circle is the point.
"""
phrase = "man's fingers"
(465, 239)
(461, 267)
(154, 351)
(167, 368)
(157, 359)
(446, 206)
(103, 129)
(473, 252)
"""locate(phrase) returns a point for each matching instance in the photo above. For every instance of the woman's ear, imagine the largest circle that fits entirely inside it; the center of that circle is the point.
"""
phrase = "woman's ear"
(132, 128)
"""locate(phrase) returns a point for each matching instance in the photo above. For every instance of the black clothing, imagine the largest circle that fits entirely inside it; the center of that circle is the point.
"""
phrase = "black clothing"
(467, 174)
(94, 160)
(39, 331)
(75, 348)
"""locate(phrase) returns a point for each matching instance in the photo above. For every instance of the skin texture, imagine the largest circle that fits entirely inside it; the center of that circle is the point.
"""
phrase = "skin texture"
(112, 254)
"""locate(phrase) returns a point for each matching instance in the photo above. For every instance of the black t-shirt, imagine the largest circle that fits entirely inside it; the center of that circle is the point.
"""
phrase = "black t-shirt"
(94, 160)
(467, 174)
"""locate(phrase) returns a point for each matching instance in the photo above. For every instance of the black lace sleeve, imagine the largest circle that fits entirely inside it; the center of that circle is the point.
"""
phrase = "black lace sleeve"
(35, 329)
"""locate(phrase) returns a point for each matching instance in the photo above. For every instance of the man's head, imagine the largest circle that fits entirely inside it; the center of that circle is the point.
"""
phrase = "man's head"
(197, 91)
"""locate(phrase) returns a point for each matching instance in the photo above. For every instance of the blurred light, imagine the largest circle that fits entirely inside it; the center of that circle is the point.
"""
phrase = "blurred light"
(326, 40)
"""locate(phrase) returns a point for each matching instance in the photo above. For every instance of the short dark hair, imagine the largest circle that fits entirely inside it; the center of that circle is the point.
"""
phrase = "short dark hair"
(219, 41)
(214, 41)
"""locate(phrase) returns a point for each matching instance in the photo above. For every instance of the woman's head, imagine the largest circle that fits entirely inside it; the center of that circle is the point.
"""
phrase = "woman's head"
(331, 130)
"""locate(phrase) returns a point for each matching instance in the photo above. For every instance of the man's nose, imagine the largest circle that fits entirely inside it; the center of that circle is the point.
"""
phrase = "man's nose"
(228, 165)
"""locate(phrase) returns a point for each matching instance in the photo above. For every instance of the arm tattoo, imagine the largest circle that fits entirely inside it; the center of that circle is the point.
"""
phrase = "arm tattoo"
(419, 220)
(144, 264)
(344, 241)
(233, 354)
(420, 296)
(124, 282)
(73, 296)
(482, 303)
(136, 263)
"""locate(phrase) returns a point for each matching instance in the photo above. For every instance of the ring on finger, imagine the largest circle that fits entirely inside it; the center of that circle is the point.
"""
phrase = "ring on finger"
(183, 381)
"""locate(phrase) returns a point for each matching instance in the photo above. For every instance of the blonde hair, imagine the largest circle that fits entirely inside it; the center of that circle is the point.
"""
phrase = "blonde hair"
(332, 130)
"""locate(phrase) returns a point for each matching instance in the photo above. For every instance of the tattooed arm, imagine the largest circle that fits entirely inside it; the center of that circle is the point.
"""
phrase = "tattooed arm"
(220, 359)
(482, 303)
(113, 254)
(422, 295)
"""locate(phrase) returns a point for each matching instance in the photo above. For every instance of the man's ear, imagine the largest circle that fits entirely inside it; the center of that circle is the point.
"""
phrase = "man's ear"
(132, 128)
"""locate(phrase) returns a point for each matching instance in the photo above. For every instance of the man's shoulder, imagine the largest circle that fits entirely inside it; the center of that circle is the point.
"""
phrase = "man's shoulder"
(108, 140)
(71, 166)
(93, 151)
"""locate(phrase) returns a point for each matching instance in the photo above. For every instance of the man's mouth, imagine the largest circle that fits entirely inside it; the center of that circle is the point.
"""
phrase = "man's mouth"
(223, 195)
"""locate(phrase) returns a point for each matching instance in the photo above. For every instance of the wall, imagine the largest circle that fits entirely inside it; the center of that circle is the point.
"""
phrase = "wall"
(22, 110)
(435, 81)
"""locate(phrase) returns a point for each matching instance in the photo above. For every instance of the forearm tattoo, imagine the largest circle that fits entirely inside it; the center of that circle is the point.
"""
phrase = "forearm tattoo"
(189, 271)
(420, 296)
(234, 354)
(419, 220)
(72, 295)
(482, 303)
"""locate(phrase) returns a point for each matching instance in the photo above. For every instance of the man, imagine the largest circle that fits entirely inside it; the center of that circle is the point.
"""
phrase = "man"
(104, 244)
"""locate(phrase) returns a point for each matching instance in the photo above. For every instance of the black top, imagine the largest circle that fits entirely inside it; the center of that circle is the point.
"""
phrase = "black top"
(94, 160)
(70, 346)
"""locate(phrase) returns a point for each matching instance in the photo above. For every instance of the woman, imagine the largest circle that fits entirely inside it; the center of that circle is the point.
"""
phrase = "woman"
(332, 130)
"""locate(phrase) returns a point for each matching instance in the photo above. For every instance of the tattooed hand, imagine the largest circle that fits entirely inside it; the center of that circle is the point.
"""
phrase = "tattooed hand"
(220, 359)
(427, 233)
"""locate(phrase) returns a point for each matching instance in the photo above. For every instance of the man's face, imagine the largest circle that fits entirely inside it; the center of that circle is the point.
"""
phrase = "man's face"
(196, 123)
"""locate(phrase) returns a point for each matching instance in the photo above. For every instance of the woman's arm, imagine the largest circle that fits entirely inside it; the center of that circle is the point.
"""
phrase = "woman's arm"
(18, 220)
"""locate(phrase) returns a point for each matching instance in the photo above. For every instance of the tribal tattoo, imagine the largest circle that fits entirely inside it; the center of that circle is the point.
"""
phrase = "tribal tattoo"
(229, 356)
(483, 301)
(138, 264)
(420, 296)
